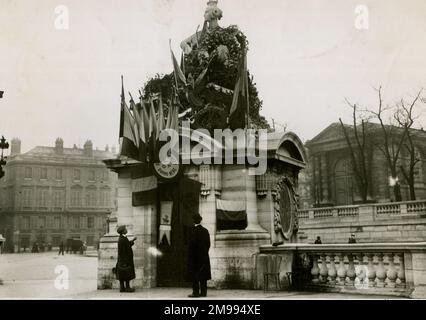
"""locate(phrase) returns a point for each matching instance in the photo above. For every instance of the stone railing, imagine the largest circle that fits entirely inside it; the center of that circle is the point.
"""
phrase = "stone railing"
(379, 268)
(319, 213)
(378, 209)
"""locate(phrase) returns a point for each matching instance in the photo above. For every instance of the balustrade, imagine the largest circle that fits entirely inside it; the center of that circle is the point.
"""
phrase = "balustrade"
(380, 270)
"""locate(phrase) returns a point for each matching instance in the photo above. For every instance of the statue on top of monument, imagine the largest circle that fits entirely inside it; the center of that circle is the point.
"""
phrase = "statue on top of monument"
(211, 17)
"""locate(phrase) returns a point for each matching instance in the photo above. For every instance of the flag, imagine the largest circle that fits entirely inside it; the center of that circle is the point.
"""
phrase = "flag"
(153, 132)
(128, 140)
(166, 210)
(144, 185)
(238, 112)
(160, 125)
(231, 215)
(177, 71)
(137, 112)
(182, 62)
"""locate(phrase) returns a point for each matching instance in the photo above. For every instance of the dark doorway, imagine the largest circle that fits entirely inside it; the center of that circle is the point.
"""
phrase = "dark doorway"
(172, 265)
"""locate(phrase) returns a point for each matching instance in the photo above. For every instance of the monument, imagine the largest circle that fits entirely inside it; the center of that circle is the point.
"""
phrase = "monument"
(242, 207)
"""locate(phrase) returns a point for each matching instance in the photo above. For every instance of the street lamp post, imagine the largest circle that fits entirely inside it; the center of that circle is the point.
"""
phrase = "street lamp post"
(3, 145)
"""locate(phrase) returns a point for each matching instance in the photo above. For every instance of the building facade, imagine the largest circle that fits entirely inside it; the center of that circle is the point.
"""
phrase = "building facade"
(329, 179)
(51, 194)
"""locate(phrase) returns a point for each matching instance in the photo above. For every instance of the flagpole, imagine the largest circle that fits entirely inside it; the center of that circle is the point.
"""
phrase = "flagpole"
(174, 69)
(247, 91)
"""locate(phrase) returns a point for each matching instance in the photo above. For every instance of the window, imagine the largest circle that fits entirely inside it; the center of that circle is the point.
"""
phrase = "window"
(27, 198)
(76, 175)
(76, 222)
(76, 197)
(58, 199)
(57, 222)
(28, 173)
(42, 198)
(91, 198)
(25, 223)
(58, 174)
(90, 222)
(92, 175)
(43, 174)
(42, 222)
(105, 198)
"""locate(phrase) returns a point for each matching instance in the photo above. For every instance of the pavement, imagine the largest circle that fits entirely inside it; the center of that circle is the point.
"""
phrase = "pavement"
(43, 276)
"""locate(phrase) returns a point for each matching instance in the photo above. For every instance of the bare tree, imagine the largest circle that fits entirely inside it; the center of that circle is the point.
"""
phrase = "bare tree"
(390, 145)
(405, 116)
(358, 150)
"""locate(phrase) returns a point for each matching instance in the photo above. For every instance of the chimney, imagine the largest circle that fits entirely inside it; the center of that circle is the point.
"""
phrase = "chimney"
(15, 146)
(107, 148)
(114, 150)
(59, 146)
(88, 148)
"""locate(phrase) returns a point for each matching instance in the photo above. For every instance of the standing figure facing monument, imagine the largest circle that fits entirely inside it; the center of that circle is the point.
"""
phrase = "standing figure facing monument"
(198, 258)
(125, 267)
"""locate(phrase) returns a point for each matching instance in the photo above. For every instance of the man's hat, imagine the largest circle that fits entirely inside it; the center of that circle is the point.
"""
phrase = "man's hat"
(197, 218)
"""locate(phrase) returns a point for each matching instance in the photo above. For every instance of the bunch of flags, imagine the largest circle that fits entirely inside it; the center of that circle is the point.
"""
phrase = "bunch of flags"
(141, 125)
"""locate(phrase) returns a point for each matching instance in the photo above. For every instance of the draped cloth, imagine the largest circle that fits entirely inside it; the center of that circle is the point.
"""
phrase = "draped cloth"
(231, 215)
(144, 185)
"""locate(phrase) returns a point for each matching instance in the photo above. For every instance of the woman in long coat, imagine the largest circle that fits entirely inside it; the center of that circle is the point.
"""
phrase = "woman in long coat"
(125, 268)
(198, 258)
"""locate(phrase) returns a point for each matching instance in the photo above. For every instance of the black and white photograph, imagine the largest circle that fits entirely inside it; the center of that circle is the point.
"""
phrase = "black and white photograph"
(204, 151)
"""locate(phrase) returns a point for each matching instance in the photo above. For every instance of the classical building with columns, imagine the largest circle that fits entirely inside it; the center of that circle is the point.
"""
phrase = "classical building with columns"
(50, 194)
(329, 179)
(268, 201)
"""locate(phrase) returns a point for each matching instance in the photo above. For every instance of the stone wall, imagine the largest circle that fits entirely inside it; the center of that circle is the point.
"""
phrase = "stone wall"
(392, 222)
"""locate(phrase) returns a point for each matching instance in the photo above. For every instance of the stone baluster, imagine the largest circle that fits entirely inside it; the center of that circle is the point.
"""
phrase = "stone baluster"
(371, 271)
(324, 270)
(351, 270)
(392, 274)
(381, 272)
(362, 274)
(341, 271)
(315, 270)
(332, 271)
(401, 270)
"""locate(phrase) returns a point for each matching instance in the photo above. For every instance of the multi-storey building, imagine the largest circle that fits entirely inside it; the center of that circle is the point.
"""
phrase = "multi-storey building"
(51, 194)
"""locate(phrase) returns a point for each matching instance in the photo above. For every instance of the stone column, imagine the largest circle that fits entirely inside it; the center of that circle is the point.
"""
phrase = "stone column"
(324, 178)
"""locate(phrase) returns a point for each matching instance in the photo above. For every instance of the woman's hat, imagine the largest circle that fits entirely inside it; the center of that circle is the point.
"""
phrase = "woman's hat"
(120, 229)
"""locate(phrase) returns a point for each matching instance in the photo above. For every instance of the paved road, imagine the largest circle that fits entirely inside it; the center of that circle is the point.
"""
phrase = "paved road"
(32, 276)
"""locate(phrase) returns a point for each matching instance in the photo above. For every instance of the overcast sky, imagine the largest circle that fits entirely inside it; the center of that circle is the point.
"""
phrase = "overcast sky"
(306, 57)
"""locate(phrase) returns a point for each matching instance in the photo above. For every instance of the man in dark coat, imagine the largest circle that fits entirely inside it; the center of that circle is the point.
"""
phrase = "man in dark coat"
(61, 248)
(198, 258)
(125, 268)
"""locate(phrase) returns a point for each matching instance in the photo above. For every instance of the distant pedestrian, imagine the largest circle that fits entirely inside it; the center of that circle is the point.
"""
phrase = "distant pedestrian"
(49, 247)
(61, 248)
(352, 238)
(35, 248)
(198, 258)
(318, 240)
